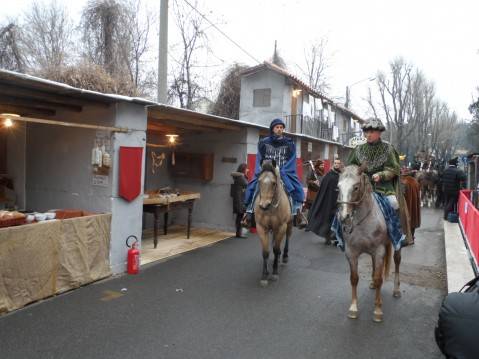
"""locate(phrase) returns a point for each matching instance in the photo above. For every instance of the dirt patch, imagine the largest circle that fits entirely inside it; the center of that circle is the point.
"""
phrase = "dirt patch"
(413, 274)
(424, 276)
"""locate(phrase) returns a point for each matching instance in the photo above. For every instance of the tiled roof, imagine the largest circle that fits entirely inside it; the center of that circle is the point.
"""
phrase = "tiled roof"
(270, 66)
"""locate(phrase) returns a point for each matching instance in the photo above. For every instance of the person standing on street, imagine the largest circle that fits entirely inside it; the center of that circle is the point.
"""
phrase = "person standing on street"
(325, 205)
(452, 180)
(314, 180)
(238, 188)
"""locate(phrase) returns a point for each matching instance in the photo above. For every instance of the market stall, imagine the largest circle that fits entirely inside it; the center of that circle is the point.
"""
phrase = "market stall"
(57, 192)
(42, 259)
(160, 203)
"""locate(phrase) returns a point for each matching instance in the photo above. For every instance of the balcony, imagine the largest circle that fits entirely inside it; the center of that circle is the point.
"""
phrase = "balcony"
(345, 137)
(310, 126)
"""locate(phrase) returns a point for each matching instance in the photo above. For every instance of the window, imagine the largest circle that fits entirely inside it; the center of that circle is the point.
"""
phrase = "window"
(262, 98)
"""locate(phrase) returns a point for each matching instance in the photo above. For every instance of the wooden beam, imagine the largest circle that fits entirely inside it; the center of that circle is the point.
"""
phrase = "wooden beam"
(25, 110)
(158, 115)
(166, 129)
(182, 125)
(66, 124)
(58, 97)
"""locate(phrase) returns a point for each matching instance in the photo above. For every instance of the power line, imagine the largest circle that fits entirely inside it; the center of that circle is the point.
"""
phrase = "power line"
(221, 32)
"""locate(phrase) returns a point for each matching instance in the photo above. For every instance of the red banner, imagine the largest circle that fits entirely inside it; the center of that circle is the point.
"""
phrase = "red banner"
(131, 161)
(469, 216)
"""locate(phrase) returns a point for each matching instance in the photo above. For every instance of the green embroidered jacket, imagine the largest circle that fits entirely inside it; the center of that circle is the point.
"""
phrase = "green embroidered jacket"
(382, 159)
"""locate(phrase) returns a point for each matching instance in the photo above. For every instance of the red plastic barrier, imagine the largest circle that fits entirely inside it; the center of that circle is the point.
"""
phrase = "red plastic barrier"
(469, 217)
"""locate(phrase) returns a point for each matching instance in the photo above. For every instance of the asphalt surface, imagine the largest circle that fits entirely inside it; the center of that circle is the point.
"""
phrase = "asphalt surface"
(208, 304)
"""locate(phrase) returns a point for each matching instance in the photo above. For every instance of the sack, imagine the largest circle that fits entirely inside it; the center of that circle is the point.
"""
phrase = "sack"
(453, 217)
(458, 323)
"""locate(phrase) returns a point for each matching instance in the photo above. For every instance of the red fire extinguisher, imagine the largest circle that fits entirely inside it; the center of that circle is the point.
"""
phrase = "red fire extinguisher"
(133, 263)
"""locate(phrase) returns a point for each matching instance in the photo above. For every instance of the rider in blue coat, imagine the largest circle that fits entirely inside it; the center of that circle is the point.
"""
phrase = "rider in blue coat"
(282, 149)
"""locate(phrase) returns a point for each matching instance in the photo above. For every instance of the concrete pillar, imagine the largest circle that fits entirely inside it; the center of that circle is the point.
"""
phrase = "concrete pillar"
(16, 161)
(126, 216)
(252, 139)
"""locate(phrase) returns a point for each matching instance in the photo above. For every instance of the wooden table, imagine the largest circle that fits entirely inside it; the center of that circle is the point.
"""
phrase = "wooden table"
(163, 205)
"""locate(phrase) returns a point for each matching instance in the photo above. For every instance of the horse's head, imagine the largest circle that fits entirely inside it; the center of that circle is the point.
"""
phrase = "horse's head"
(268, 181)
(353, 185)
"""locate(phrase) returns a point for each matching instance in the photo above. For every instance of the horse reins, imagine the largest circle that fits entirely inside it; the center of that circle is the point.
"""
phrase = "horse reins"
(355, 203)
(275, 196)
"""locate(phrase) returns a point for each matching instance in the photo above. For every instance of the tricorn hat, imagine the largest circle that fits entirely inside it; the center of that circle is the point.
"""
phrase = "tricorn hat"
(373, 124)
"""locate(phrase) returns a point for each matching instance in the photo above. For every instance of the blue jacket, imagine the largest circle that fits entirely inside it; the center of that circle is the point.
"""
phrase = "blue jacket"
(283, 150)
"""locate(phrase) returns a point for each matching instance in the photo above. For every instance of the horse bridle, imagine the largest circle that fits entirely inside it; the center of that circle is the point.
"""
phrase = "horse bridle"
(363, 187)
(349, 227)
(275, 196)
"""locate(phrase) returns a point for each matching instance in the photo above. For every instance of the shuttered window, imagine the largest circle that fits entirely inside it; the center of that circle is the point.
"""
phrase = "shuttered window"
(262, 98)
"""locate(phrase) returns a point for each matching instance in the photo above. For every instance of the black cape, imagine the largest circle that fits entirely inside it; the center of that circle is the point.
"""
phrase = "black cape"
(324, 206)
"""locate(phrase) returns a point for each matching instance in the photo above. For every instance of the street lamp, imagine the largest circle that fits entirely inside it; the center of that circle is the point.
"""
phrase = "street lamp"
(348, 95)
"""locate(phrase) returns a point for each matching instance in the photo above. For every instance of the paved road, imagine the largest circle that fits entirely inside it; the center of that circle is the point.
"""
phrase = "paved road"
(208, 304)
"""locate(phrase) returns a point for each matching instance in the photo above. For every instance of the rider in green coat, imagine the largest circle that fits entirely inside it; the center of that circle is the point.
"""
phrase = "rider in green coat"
(383, 169)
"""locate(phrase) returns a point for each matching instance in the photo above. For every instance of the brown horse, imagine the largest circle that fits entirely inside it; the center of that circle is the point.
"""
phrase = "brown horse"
(428, 182)
(272, 215)
(365, 231)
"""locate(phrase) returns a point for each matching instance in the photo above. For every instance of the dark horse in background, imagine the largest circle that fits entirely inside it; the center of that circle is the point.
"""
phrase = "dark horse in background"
(429, 181)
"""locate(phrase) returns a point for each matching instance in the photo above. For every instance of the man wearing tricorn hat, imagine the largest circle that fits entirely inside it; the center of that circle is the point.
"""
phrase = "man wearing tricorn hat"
(383, 169)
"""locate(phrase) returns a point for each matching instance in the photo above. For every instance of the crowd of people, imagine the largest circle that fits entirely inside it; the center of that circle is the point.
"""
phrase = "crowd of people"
(397, 185)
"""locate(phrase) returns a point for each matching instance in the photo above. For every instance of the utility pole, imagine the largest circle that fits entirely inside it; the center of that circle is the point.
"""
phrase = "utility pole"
(163, 53)
(346, 104)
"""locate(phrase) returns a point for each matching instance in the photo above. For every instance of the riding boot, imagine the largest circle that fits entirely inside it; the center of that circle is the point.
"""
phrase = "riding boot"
(247, 220)
(299, 220)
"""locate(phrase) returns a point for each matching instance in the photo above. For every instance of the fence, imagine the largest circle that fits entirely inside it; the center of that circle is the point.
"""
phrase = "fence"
(469, 218)
(310, 126)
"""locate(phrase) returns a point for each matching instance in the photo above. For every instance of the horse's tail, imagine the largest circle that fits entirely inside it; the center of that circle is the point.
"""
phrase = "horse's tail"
(387, 260)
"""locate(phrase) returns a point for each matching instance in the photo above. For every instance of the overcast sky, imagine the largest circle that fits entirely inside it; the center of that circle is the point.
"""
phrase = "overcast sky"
(440, 37)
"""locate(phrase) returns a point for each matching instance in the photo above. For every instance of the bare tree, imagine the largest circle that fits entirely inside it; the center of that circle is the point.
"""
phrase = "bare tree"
(228, 101)
(104, 33)
(139, 23)
(417, 121)
(87, 75)
(47, 31)
(186, 87)
(117, 37)
(317, 63)
(11, 53)
(395, 93)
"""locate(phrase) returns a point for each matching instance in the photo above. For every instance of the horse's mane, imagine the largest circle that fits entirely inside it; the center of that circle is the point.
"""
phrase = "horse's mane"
(353, 171)
(350, 171)
(267, 166)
